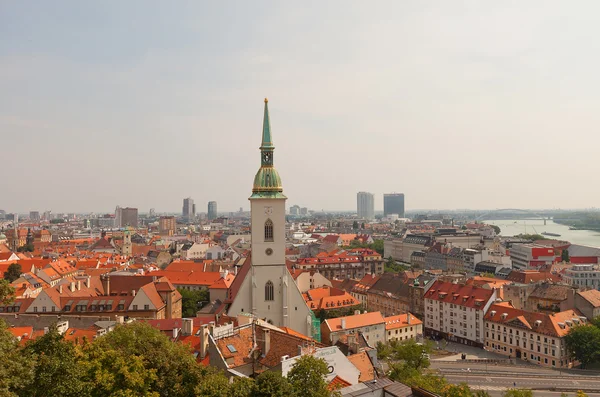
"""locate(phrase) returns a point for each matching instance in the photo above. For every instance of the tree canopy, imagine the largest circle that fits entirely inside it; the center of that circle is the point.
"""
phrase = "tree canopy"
(136, 360)
(190, 301)
(13, 272)
(7, 292)
(583, 342)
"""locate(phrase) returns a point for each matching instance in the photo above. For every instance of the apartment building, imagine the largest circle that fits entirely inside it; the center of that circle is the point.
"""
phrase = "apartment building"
(455, 312)
(403, 327)
(529, 336)
(531, 256)
(585, 276)
(346, 264)
(371, 325)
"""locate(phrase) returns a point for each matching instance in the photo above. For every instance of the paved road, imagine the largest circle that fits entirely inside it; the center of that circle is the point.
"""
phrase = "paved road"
(509, 369)
(495, 382)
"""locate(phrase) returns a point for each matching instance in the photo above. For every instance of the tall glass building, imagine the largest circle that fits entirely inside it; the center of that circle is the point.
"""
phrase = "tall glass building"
(393, 203)
(365, 205)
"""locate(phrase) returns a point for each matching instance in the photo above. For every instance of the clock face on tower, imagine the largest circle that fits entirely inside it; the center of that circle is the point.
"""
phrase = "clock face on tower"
(268, 211)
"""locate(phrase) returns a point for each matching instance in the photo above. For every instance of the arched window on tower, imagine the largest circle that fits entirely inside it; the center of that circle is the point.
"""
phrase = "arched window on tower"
(269, 291)
(269, 230)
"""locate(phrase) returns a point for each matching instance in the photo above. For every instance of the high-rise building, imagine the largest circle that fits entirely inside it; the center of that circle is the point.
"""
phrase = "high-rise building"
(393, 203)
(267, 290)
(34, 216)
(167, 225)
(126, 217)
(212, 210)
(189, 209)
(295, 210)
(365, 205)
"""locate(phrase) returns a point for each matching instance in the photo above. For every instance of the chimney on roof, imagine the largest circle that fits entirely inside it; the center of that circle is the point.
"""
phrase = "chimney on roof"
(187, 326)
(132, 292)
(78, 285)
(343, 323)
(408, 319)
(175, 332)
(266, 342)
(106, 284)
(203, 340)
(72, 286)
(60, 289)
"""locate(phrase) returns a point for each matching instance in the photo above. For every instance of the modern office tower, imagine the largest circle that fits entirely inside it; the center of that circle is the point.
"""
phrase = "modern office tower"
(212, 210)
(295, 210)
(34, 216)
(393, 203)
(167, 225)
(126, 217)
(365, 204)
(188, 209)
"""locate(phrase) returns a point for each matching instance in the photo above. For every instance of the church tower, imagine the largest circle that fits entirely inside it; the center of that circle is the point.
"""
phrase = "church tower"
(268, 291)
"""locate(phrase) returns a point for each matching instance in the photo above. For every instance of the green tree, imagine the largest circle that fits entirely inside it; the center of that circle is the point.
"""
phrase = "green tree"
(190, 301)
(497, 229)
(565, 256)
(307, 377)
(531, 237)
(518, 393)
(355, 225)
(213, 385)
(384, 350)
(58, 367)
(272, 384)
(160, 365)
(415, 355)
(16, 367)
(583, 342)
(242, 387)
(7, 292)
(26, 248)
(377, 246)
(13, 272)
(362, 226)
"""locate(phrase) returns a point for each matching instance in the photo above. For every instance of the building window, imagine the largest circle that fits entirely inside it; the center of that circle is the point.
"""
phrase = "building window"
(269, 230)
(146, 307)
(134, 307)
(269, 291)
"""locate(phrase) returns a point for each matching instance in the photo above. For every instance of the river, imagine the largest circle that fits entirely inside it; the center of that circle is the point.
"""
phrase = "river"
(512, 227)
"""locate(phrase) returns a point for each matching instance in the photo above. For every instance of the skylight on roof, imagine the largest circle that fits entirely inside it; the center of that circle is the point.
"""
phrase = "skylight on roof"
(232, 348)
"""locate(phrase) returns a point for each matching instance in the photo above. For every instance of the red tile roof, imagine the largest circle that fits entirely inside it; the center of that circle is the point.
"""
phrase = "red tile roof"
(363, 363)
(328, 298)
(189, 278)
(556, 324)
(337, 383)
(355, 321)
(462, 295)
(401, 320)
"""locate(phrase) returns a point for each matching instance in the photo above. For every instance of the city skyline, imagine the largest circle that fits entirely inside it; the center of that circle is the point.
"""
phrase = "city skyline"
(423, 97)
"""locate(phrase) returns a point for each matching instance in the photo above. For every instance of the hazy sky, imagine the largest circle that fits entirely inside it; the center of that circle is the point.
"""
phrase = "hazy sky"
(476, 104)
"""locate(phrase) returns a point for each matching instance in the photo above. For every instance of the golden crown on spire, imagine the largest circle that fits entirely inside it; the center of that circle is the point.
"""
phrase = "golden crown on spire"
(266, 100)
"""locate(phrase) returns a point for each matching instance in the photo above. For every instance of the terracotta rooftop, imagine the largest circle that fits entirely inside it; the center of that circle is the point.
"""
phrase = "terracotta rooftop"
(355, 321)
(461, 295)
(363, 363)
(592, 296)
(556, 324)
(401, 320)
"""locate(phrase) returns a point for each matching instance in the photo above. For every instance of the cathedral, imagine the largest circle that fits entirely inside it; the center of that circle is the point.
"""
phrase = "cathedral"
(268, 290)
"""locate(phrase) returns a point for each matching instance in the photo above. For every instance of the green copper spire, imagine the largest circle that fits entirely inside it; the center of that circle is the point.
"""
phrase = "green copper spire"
(267, 142)
(267, 183)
